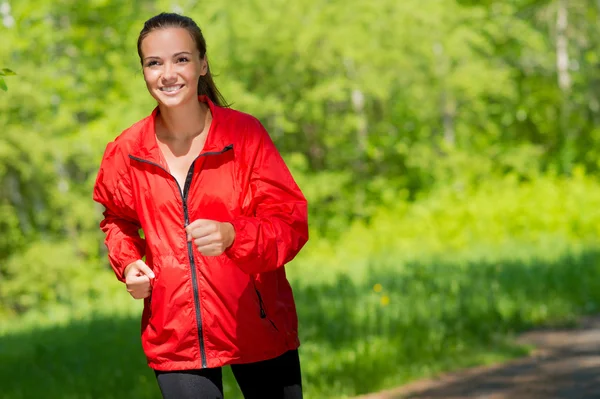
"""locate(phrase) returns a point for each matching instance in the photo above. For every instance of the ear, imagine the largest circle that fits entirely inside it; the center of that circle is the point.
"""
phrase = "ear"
(203, 66)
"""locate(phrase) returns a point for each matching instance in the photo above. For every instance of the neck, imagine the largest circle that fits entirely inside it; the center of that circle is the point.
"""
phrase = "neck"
(184, 122)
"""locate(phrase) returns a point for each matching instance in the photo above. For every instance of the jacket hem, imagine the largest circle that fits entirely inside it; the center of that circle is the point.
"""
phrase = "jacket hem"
(223, 360)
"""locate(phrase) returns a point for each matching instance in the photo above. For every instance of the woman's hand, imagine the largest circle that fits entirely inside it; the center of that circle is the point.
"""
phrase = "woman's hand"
(210, 237)
(137, 278)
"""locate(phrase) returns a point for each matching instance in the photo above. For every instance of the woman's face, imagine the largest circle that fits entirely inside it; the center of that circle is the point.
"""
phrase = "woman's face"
(172, 66)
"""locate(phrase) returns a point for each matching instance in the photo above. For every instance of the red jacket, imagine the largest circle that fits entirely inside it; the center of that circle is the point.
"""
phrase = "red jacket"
(207, 311)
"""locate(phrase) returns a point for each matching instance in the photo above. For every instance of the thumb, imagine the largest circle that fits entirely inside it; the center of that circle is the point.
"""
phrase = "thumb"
(196, 223)
(143, 267)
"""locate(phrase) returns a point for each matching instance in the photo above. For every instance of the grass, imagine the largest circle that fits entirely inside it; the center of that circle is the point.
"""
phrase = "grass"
(398, 323)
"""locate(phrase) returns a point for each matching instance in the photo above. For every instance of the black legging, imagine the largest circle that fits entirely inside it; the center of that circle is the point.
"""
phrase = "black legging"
(277, 378)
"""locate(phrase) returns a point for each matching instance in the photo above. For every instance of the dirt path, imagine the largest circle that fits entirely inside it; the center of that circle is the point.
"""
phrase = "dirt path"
(565, 366)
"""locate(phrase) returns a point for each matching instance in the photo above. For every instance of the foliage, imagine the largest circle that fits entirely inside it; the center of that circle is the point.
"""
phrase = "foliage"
(421, 131)
(5, 72)
(368, 107)
(49, 273)
(478, 220)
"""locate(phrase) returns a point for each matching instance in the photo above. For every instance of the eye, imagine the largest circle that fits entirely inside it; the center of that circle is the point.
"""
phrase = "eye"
(151, 63)
(182, 59)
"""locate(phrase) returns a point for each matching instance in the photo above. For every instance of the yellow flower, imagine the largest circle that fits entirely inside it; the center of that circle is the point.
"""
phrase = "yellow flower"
(385, 300)
(377, 287)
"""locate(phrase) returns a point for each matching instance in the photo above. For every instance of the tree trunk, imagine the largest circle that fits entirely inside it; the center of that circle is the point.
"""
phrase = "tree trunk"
(358, 105)
(448, 115)
(562, 54)
(566, 142)
(447, 102)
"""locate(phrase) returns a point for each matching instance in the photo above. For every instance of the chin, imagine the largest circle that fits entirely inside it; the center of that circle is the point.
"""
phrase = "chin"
(169, 102)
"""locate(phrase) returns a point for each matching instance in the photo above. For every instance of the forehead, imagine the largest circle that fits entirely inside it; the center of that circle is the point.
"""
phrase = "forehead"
(167, 41)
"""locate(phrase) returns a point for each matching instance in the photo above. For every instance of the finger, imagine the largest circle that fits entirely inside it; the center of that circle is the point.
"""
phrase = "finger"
(132, 268)
(204, 248)
(199, 233)
(203, 241)
(140, 295)
(195, 224)
(140, 291)
(137, 280)
(210, 250)
(203, 231)
(143, 267)
(135, 291)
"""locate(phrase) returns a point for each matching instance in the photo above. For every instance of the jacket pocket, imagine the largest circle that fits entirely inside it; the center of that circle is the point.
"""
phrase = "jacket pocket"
(262, 311)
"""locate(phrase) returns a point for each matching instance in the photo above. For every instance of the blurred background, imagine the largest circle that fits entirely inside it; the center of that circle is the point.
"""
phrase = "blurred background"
(449, 151)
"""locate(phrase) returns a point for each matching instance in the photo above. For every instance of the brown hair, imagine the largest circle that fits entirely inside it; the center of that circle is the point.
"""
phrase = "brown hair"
(206, 85)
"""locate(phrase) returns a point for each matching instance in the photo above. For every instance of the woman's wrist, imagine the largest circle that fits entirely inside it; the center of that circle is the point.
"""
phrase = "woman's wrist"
(229, 234)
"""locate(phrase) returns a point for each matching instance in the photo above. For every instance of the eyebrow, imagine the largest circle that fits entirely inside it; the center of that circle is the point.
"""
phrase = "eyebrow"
(174, 55)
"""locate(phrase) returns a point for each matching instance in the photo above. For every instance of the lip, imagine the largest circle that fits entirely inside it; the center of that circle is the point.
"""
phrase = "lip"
(171, 93)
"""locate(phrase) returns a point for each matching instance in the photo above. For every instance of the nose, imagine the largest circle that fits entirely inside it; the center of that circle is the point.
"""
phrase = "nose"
(169, 72)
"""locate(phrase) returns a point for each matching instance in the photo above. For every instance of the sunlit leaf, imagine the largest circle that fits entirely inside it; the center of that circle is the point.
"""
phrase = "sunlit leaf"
(8, 72)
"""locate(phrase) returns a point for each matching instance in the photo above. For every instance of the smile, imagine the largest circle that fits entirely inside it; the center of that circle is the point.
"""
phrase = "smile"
(171, 89)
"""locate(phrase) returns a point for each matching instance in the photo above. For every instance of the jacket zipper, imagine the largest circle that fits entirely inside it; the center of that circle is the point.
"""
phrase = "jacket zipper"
(263, 313)
(190, 248)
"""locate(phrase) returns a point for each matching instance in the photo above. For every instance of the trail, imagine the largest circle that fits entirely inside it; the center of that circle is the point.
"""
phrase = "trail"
(565, 365)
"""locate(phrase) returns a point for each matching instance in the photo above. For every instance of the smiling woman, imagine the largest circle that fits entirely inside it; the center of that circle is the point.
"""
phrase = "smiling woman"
(172, 76)
(195, 53)
(221, 216)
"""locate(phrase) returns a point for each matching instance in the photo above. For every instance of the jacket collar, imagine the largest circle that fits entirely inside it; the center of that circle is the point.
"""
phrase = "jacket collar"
(146, 147)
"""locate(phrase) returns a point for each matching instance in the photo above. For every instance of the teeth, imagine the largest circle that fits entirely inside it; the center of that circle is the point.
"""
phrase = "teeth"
(171, 88)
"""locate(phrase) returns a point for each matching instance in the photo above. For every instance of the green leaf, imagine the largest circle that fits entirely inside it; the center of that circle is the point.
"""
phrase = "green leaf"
(8, 72)
(3, 85)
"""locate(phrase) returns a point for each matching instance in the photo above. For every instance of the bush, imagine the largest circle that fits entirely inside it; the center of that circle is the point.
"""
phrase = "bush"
(500, 218)
(50, 274)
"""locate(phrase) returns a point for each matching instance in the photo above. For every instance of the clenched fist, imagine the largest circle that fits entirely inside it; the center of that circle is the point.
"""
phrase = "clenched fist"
(137, 278)
(210, 237)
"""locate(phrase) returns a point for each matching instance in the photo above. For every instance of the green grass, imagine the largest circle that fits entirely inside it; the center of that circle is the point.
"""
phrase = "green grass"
(397, 324)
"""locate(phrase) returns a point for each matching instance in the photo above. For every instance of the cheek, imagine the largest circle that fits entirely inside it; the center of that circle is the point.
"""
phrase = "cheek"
(150, 84)
(149, 77)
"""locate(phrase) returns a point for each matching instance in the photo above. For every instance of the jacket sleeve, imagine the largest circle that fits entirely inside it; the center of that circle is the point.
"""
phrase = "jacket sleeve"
(275, 223)
(120, 223)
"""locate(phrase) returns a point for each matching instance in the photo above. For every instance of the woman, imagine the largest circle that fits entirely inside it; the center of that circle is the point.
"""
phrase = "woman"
(221, 216)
